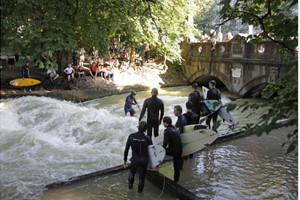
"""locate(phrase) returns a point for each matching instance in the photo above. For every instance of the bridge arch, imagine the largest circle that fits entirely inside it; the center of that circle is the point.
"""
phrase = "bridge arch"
(257, 82)
(218, 76)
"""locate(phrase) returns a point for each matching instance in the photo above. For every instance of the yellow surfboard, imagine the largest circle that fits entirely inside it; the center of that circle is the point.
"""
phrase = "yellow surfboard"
(20, 82)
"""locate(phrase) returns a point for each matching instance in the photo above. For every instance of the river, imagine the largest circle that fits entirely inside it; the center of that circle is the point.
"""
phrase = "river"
(43, 140)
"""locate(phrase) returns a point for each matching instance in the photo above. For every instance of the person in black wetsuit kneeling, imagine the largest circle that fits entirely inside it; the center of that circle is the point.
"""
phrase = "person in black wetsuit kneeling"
(173, 145)
(139, 143)
(130, 100)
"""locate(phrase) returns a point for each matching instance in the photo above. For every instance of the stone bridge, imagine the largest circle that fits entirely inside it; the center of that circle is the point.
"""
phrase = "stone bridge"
(240, 66)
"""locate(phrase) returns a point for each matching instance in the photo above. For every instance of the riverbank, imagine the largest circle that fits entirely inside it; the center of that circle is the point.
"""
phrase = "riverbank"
(151, 75)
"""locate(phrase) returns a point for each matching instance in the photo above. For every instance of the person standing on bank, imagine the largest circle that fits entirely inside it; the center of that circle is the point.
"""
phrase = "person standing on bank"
(25, 73)
(213, 94)
(153, 106)
(195, 99)
(181, 121)
(173, 145)
(139, 143)
(130, 100)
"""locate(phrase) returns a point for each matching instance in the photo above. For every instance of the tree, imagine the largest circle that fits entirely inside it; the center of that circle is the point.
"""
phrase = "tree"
(278, 20)
(39, 27)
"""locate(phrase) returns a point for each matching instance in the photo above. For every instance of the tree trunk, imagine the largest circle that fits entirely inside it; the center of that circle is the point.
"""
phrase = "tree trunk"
(62, 60)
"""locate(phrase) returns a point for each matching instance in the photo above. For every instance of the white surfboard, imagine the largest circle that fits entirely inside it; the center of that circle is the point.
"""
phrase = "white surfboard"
(156, 155)
(196, 140)
(225, 115)
(204, 90)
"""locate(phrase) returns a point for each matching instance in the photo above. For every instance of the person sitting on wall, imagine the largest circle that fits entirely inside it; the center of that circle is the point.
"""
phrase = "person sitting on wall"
(94, 70)
(69, 71)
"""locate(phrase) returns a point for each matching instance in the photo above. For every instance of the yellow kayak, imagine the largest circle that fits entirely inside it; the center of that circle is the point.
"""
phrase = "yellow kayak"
(20, 82)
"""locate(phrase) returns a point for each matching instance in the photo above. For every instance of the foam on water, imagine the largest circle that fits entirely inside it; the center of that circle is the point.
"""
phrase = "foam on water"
(44, 140)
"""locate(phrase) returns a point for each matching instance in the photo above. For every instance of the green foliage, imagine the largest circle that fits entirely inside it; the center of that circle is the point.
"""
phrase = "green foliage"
(278, 22)
(278, 19)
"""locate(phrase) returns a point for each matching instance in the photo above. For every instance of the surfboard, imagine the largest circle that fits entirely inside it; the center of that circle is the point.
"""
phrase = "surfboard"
(156, 155)
(20, 82)
(213, 105)
(225, 115)
(193, 127)
(204, 90)
(194, 141)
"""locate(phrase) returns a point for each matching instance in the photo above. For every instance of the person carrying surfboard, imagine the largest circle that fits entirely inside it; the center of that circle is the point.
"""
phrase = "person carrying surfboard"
(153, 105)
(139, 143)
(173, 145)
(213, 94)
(130, 100)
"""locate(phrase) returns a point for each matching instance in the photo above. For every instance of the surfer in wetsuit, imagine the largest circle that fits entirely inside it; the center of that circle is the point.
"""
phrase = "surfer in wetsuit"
(181, 121)
(190, 116)
(173, 145)
(153, 106)
(213, 94)
(195, 99)
(139, 143)
(130, 100)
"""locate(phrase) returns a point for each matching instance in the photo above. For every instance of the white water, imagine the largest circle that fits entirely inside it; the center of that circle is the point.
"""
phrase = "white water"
(43, 140)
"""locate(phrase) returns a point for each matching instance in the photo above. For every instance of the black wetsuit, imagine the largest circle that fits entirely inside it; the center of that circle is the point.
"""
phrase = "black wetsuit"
(130, 101)
(25, 71)
(153, 106)
(139, 143)
(195, 100)
(173, 145)
(181, 122)
(213, 94)
(191, 118)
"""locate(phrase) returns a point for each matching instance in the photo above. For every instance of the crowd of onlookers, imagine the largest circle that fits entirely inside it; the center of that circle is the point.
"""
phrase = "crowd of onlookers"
(86, 63)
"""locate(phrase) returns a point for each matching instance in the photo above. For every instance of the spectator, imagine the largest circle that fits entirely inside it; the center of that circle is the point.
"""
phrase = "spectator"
(11, 61)
(44, 61)
(94, 70)
(94, 53)
(219, 35)
(75, 55)
(81, 73)
(4, 59)
(69, 71)
(25, 70)
(110, 74)
(81, 55)
(52, 74)
(25, 73)
(228, 37)
(147, 49)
